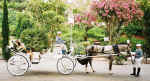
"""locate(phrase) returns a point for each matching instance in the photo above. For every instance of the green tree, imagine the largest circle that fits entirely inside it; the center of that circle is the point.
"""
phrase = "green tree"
(49, 15)
(5, 31)
(134, 28)
(145, 5)
(23, 22)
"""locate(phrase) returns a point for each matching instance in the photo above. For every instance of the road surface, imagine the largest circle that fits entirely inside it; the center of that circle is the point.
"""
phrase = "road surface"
(46, 71)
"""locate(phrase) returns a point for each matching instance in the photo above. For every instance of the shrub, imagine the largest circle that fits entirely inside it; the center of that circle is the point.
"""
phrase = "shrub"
(80, 49)
(135, 41)
(77, 35)
(119, 60)
(122, 40)
(96, 32)
(35, 38)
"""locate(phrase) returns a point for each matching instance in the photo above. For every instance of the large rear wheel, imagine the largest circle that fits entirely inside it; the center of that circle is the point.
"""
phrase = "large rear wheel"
(17, 65)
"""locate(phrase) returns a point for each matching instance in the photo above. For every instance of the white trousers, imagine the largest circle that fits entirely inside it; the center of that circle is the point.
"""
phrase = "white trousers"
(138, 62)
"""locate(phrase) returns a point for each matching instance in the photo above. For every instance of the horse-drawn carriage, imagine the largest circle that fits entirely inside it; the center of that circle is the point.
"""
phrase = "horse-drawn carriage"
(66, 64)
(20, 62)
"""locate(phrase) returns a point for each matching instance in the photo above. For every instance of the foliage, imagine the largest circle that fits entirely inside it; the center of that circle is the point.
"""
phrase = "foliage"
(16, 0)
(125, 11)
(77, 33)
(23, 22)
(145, 5)
(12, 18)
(86, 18)
(115, 13)
(5, 32)
(97, 33)
(17, 5)
(135, 41)
(46, 13)
(119, 60)
(80, 49)
(49, 15)
(35, 38)
(134, 28)
(85, 21)
(77, 36)
(122, 40)
(0, 40)
(76, 11)
(1, 17)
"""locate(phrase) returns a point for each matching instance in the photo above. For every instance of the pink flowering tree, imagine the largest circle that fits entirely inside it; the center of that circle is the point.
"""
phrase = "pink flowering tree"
(116, 13)
(85, 20)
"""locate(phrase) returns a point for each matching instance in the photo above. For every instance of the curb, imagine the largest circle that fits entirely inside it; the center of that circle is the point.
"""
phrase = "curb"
(1, 58)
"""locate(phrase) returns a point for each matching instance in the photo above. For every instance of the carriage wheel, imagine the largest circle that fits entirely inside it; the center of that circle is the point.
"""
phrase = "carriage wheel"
(17, 65)
(65, 65)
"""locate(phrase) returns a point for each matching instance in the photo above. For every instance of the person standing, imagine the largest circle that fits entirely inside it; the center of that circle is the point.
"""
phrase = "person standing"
(137, 61)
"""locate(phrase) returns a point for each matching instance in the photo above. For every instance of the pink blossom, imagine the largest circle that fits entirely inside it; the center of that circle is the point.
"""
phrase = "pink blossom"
(118, 12)
(104, 14)
(84, 21)
(127, 10)
(100, 5)
(107, 11)
(78, 18)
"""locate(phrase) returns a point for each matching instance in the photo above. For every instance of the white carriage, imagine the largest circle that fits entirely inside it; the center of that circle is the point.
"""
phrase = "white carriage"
(20, 62)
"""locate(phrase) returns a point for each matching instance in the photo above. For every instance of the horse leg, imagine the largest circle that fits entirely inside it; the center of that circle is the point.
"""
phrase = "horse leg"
(90, 62)
(110, 63)
(86, 65)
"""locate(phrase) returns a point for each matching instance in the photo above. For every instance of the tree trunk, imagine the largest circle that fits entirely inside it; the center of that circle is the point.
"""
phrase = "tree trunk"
(86, 34)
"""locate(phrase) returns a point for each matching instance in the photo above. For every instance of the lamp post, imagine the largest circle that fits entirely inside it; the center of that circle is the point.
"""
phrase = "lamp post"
(70, 21)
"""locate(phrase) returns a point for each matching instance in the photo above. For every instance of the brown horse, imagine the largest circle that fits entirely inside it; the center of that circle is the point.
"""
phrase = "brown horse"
(94, 50)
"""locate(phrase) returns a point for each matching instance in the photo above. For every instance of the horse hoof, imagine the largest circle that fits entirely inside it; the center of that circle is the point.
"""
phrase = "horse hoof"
(87, 72)
(94, 71)
(110, 73)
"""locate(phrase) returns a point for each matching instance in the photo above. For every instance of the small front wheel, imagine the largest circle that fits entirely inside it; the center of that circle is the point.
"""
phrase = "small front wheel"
(65, 65)
(17, 65)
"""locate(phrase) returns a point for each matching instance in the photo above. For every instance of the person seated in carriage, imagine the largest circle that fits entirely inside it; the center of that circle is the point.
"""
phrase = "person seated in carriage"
(17, 46)
(59, 39)
(29, 52)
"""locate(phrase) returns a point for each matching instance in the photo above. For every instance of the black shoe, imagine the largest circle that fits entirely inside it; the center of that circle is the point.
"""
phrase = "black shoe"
(138, 72)
(134, 71)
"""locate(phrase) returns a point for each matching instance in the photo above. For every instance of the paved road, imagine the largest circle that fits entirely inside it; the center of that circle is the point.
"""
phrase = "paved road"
(46, 71)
